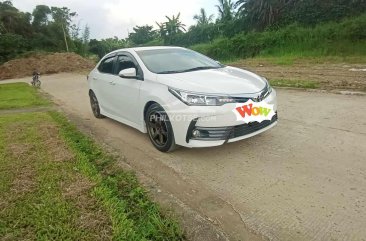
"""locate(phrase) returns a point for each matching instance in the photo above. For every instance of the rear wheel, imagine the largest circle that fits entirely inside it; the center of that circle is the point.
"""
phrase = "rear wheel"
(95, 105)
(159, 128)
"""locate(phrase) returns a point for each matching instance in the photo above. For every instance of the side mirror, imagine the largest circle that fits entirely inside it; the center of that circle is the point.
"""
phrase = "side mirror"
(128, 73)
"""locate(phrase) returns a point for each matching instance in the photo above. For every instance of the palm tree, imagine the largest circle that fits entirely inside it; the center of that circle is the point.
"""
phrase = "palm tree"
(169, 29)
(174, 25)
(2, 28)
(161, 29)
(226, 10)
(202, 18)
(262, 13)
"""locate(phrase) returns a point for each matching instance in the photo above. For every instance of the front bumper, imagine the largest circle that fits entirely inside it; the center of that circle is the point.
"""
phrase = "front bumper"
(217, 124)
(226, 133)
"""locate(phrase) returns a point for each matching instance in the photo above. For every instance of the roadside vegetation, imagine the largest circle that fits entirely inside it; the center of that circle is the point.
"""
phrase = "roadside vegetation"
(58, 184)
(304, 84)
(290, 33)
(345, 38)
(291, 60)
(239, 29)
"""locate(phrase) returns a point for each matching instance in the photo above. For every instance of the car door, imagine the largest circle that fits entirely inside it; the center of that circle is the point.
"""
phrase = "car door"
(125, 92)
(102, 80)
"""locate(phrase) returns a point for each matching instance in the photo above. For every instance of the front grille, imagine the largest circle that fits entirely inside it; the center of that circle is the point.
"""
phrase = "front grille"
(226, 133)
(241, 99)
(255, 98)
(246, 129)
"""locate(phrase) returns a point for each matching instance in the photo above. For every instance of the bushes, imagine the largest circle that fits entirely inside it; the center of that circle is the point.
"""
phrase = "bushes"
(344, 38)
(11, 45)
(220, 48)
(313, 12)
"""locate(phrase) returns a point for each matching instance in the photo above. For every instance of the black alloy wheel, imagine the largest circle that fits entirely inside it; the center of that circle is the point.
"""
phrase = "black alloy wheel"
(95, 105)
(159, 128)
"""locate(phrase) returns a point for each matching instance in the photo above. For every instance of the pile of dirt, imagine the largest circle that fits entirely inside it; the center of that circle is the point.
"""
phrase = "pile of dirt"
(45, 64)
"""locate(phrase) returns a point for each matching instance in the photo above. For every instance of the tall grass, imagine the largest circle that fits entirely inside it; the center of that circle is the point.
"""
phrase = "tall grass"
(346, 38)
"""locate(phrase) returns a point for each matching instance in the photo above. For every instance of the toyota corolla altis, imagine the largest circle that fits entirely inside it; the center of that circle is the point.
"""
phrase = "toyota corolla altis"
(177, 96)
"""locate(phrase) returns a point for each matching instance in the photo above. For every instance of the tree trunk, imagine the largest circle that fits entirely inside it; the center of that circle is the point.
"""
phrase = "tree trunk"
(63, 30)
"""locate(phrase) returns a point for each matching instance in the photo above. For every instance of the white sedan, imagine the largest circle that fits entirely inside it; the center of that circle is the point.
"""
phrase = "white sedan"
(177, 96)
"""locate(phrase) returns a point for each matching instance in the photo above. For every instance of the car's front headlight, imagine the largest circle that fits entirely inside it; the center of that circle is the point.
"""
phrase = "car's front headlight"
(196, 99)
(268, 90)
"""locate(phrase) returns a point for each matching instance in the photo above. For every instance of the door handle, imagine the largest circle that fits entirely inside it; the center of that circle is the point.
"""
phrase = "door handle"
(112, 83)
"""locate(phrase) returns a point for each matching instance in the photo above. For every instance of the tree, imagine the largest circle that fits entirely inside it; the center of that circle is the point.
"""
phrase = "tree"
(202, 18)
(313, 12)
(13, 21)
(170, 29)
(62, 17)
(86, 34)
(142, 34)
(11, 45)
(2, 28)
(226, 9)
(85, 40)
(104, 46)
(40, 16)
(262, 13)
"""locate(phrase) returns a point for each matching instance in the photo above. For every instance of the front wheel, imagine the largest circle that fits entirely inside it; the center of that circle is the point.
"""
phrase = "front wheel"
(95, 105)
(159, 128)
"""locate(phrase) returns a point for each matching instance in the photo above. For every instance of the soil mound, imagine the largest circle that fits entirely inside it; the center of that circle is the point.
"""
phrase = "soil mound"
(45, 64)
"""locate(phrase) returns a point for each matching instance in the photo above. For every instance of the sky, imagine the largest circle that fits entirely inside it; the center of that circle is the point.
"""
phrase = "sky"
(109, 18)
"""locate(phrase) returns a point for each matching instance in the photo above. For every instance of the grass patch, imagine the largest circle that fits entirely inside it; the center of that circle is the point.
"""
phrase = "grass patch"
(134, 215)
(306, 84)
(58, 184)
(290, 60)
(32, 183)
(294, 60)
(282, 61)
(20, 95)
(341, 39)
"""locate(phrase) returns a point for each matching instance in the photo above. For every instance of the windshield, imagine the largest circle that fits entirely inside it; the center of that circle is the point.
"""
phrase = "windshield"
(175, 60)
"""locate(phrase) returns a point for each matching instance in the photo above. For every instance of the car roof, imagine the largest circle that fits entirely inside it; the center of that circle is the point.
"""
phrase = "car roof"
(147, 48)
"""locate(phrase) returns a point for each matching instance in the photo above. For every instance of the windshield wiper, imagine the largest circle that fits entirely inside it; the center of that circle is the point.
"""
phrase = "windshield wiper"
(200, 68)
(170, 72)
(188, 70)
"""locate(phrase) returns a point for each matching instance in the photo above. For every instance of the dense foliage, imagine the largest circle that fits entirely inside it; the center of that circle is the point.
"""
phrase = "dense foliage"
(45, 29)
(242, 28)
(338, 39)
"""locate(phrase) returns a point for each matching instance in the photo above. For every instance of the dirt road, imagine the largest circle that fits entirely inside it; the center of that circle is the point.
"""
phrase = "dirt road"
(303, 180)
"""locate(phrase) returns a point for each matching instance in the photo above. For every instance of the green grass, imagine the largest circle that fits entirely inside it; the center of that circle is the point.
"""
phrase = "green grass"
(33, 206)
(281, 60)
(334, 39)
(290, 60)
(20, 95)
(58, 184)
(306, 84)
(134, 215)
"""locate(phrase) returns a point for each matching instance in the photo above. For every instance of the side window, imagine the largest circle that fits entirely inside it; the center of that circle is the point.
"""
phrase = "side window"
(107, 66)
(124, 62)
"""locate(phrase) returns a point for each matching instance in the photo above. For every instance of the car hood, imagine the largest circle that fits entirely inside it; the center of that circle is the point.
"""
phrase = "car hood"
(228, 80)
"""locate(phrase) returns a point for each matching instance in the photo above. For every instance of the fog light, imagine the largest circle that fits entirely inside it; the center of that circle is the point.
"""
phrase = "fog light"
(196, 133)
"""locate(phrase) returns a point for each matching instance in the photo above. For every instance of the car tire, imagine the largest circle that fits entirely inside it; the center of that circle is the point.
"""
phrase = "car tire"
(159, 128)
(95, 105)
